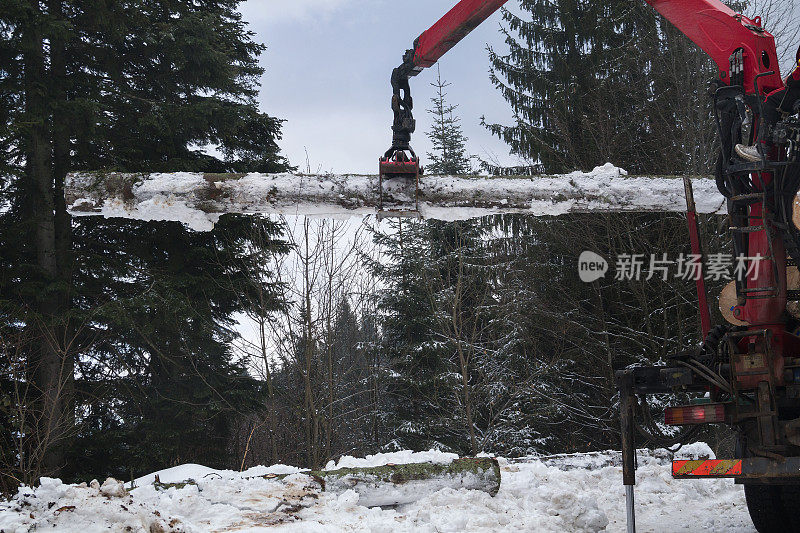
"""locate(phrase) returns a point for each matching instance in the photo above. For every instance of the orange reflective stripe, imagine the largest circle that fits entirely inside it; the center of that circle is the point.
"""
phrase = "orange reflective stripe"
(708, 468)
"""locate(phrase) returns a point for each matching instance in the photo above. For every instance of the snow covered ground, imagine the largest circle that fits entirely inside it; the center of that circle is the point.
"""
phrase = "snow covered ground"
(574, 493)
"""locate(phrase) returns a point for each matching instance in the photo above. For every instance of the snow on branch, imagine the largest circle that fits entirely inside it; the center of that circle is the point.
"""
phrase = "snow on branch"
(200, 199)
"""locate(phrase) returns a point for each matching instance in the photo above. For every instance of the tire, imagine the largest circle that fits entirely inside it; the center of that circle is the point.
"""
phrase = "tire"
(766, 506)
(790, 496)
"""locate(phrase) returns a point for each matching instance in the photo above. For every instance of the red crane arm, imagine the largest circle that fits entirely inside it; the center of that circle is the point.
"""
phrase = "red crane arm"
(742, 49)
(710, 24)
(428, 49)
(451, 29)
(720, 32)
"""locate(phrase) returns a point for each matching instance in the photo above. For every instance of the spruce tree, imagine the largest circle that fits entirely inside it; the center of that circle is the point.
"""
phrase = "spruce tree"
(348, 381)
(162, 386)
(435, 313)
(449, 154)
(420, 386)
(94, 85)
(593, 82)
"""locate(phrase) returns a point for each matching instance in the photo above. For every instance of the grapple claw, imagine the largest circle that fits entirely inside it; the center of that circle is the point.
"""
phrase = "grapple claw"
(397, 164)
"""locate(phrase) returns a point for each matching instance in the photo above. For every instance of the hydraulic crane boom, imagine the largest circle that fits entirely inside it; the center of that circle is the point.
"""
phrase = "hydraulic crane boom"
(428, 49)
(710, 24)
(451, 28)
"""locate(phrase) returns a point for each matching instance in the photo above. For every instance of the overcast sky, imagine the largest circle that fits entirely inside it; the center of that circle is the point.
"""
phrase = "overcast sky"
(328, 66)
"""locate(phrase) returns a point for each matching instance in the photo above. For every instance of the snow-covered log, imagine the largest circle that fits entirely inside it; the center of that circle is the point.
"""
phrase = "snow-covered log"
(401, 484)
(199, 199)
(390, 484)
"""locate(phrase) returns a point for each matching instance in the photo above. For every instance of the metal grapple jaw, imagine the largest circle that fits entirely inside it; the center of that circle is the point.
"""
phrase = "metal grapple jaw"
(400, 162)
(401, 166)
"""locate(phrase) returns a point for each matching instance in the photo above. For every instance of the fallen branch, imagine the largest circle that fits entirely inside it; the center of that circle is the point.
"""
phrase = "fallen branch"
(199, 199)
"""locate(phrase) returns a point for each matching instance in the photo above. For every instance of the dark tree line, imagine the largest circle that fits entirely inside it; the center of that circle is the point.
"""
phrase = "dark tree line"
(115, 335)
(470, 336)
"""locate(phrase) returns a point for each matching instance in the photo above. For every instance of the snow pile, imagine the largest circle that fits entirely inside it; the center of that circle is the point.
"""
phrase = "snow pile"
(585, 496)
(199, 199)
(695, 451)
(218, 504)
(597, 460)
(403, 457)
(181, 473)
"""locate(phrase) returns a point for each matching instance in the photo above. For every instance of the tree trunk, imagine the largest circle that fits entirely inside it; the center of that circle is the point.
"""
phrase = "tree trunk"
(62, 221)
(394, 484)
(312, 420)
(473, 442)
(402, 484)
(464, 358)
(156, 196)
(270, 386)
(329, 349)
(51, 366)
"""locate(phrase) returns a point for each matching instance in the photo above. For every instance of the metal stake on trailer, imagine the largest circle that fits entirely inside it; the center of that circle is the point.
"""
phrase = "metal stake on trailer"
(630, 510)
(697, 250)
(626, 404)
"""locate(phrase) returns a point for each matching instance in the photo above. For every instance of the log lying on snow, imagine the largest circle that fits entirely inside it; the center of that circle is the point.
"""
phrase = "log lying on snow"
(394, 484)
(199, 199)
(400, 484)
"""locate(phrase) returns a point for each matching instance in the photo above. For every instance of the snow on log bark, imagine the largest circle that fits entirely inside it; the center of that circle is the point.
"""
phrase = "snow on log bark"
(388, 484)
(401, 484)
(199, 199)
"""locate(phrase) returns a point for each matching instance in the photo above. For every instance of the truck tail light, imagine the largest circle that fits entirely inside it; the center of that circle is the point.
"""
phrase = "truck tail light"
(712, 413)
